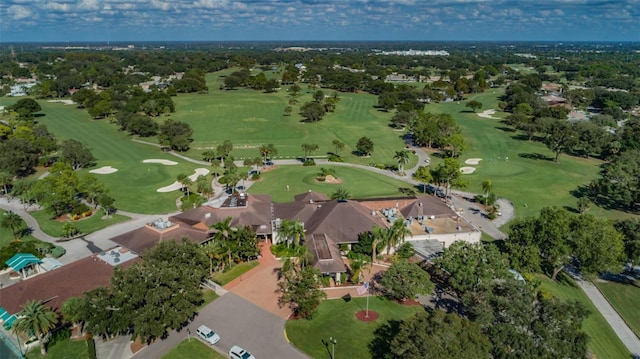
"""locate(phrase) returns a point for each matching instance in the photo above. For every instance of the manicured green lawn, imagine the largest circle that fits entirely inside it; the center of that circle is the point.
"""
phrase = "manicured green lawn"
(360, 183)
(624, 299)
(65, 349)
(528, 182)
(603, 341)
(193, 348)
(336, 318)
(249, 118)
(86, 226)
(233, 273)
(134, 185)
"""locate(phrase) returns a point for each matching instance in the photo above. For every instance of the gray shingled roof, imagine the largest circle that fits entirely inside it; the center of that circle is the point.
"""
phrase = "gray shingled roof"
(342, 221)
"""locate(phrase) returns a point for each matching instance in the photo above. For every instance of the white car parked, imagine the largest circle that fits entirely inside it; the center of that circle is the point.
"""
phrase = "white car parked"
(208, 335)
(238, 353)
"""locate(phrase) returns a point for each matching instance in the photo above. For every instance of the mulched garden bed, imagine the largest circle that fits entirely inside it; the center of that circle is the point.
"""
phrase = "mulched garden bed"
(362, 316)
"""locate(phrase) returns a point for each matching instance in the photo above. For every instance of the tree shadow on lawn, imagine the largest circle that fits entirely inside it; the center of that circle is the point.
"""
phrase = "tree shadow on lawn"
(621, 278)
(571, 209)
(535, 156)
(380, 346)
(562, 279)
(505, 129)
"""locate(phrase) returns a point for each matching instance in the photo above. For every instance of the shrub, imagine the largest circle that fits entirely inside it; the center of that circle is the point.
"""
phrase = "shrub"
(279, 250)
(80, 209)
(380, 166)
(309, 162)
(59, 336)
(255, 176)
(544, 294)
(405, 251)
(325, 280)
(57, 252)
(335, 158)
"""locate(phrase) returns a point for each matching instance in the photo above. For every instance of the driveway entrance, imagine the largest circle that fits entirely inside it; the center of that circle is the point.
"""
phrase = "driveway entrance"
(260, 285)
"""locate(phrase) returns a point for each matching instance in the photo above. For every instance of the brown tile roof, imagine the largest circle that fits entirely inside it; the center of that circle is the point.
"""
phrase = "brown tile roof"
(326, 254)
(342, 221)
(257, 214)
(310, 196)
(145, 238)
(426, 205)
(56, 286)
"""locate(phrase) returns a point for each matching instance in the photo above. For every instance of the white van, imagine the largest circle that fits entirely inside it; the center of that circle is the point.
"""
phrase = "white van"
(238, 353)
(208, 335)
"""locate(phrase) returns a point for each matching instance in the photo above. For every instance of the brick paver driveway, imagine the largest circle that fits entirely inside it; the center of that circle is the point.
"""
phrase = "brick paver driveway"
(259, 286)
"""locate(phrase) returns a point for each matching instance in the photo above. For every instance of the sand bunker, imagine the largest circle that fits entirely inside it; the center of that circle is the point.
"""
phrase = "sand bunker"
(162, 162)
(177, 185)
(66, 102)
(488, 114)
(104, 170)
(473, 161)
(467, 170)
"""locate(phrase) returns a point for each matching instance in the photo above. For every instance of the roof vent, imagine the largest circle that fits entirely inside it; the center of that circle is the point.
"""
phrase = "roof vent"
(207, 215)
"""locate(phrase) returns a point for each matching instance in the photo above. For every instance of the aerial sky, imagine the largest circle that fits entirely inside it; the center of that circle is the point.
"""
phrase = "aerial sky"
(228, 20)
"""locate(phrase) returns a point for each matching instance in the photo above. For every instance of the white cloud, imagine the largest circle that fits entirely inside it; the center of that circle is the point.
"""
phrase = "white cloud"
(55, 6)
(18, 12)
(162, 5)
(88, 5)
(211, 4)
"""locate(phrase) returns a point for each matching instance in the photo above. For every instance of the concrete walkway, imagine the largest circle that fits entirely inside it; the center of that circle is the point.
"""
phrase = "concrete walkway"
(626, 335)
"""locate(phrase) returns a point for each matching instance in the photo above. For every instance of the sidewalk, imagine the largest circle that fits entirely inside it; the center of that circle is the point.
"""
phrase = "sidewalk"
(626, 335)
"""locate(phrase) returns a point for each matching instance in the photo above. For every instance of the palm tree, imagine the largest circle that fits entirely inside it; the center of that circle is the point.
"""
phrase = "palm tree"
(222, 230)
(214, 251)
(338, 145)
(379, 236)
(185, 181)
(72, 312)
(36, 319)
(341, 194)
(267, 151)
(303, 255)
(209, 156)
(253, 162)
(291, 232)
(487, 186)
(309, 148)
(13, 222)
(403, 158)
(5, 180)
(69, 230)
(203, 186)
(397, 233)
(222, 234)
(356, 264)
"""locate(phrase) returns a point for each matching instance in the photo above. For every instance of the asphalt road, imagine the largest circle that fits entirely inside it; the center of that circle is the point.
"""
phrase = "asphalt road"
(238, 322)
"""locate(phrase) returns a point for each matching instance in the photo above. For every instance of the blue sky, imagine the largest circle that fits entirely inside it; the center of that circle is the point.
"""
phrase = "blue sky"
(228, 20)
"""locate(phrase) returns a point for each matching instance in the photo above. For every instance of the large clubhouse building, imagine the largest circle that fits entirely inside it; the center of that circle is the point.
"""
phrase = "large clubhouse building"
(328, 224)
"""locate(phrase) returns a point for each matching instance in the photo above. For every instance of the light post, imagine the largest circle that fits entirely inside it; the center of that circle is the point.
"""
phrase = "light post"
(189, 335)
(333, 341)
